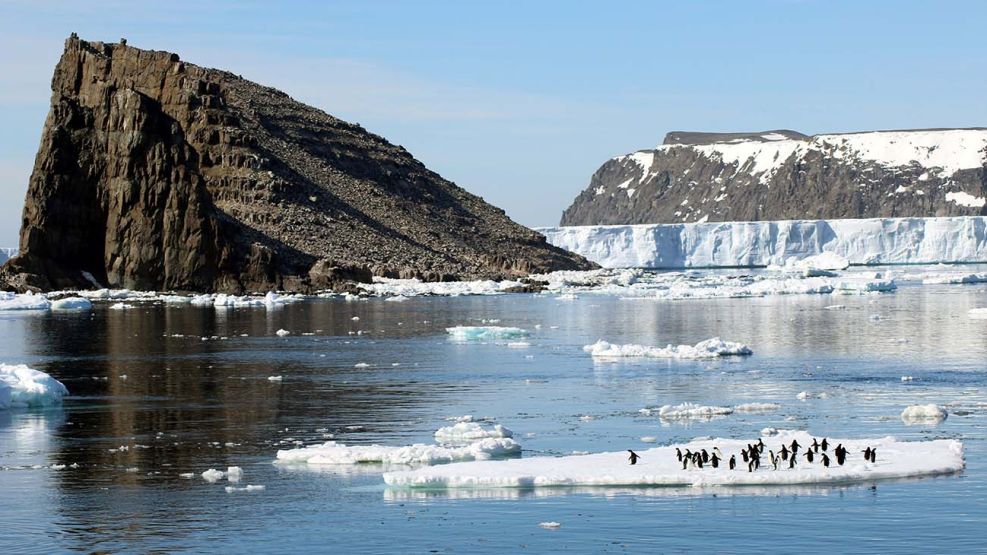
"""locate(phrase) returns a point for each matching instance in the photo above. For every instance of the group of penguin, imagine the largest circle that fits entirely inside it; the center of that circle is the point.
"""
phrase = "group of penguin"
(753, 452)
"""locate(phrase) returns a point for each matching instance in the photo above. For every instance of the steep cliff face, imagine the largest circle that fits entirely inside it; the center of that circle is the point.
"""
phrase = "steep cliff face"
(154, 173)
(784, 175)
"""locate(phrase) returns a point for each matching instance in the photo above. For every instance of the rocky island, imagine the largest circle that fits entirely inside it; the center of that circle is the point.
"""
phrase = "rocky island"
(785, 175)
(157, 174)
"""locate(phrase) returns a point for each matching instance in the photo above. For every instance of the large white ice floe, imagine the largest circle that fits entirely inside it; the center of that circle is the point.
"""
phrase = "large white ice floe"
(481, 333)
(23, 387)
(710, 348)
(660, 467)
(923, 414)
(72, 304)
(468, 432)
(27, 301)
(414, 287)
(332, 452)
(751, 244)
(691, 410)
(270, 300)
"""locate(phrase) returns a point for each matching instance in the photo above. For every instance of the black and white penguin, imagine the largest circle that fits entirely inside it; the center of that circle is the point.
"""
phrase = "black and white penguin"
(773, 458)
(873, 455)
(795, 446)
(634, 457)
(808, 455)
(815, 445)
(678, 454)
(867, 454)
(705, 456)
(825, 460)
(715, 461)
(750, 466)
(685, 462)
(784, 453)
(824, 444)
(841, 453)
(718, 453)
(743, 453)
(792, 461)
(733, 462)
(760, 445)
(699, 460)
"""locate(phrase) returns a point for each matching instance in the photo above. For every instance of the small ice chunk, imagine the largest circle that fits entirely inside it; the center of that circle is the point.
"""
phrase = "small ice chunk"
(649, 439)
(234, 473)
(212, 475)
(549, 525)
(691, 410)
(757, 407)
(274, 378)
(923, 414)
(474, 333)
(24, 387)
(710, 348)
(282, 333)
(72, 304)
(361, 365)
(768, 432)
(187, 475)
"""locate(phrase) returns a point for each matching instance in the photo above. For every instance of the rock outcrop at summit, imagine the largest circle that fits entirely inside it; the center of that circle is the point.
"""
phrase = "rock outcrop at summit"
(157, 174)
(785, 175)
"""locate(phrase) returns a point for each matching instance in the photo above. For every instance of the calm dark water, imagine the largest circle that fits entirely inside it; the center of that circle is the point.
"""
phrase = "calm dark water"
(186, 404)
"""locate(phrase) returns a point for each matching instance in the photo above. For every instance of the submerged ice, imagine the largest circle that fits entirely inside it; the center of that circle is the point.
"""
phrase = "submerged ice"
(480, 333)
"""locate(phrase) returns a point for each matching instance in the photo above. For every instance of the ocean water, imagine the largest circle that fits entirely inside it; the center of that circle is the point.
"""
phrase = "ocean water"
(185, 389)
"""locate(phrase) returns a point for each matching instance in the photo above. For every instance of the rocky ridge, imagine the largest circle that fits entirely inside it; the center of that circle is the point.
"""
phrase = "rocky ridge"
(785, 175)
(157, 174)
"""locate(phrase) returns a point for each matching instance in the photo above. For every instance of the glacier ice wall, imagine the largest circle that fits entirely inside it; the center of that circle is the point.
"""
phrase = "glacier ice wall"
(751, 244)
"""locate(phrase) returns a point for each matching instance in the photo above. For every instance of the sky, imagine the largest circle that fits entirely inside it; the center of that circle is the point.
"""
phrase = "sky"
(520, 102)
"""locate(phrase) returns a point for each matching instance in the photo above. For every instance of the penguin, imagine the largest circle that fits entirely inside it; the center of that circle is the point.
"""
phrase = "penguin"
(815, 445)
(773, 458)
(825, 460)
(718, 453)
(715, 461)
(795, 446)
(678, 454)
(743, 453)
(873, 455)
(867, 454)
(750, 466)
(705, 456)
(757, 461)
(634, 457)
(824, 444)
(808, 455)
(840, 454)
(760, 445)
(733, 462)
(792, 461)
(685, 462)
(784, 453)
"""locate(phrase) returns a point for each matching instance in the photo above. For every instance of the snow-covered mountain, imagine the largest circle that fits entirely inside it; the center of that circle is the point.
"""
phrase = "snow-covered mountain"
(784, 175)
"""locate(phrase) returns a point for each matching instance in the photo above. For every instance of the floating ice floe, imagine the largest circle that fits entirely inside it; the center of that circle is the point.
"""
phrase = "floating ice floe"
(549, 525)
(121, 306)
(250, 487)
(72, 304)
(691, 410)
(710, 348)
(23, 387)
(660, 467)
(27, 301)
(468, 432)
(480, 333)
(282, 333)
(805, 395)
(414, 287)
(757, 407)
(332, 452)
(923, 414)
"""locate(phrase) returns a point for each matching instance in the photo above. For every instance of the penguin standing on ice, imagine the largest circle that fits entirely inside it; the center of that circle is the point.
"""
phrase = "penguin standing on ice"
(795, 447)
(678, 454)
(733, 462)
(760, 445)
(718, 453)
(824, 444)
(715, 461)
(792, 461)
(808, 455)
(634, 457)
(825, 460)
(743, 453)
(705, 456)
(699, 460)
(784, 453)
(685, 462)
(867, 454)
(873, 455)
(773, 458)
(840, 452)
(815, 445)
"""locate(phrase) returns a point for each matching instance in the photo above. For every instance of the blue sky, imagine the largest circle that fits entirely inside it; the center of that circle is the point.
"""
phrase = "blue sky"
(520, 102)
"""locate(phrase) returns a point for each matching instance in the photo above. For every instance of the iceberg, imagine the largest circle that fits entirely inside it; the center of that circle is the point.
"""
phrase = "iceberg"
(756, 244)
(710, 348)
(332, 452)
(72, 304)
(660, 467)
(23, 387)
(27, 301)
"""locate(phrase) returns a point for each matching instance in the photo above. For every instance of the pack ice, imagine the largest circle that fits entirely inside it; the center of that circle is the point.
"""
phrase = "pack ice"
(23, 387)
(660, 467)
(753, 244)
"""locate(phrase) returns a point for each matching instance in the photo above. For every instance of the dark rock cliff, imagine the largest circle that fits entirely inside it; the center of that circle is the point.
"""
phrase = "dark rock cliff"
(784, 175)
(154, 173)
